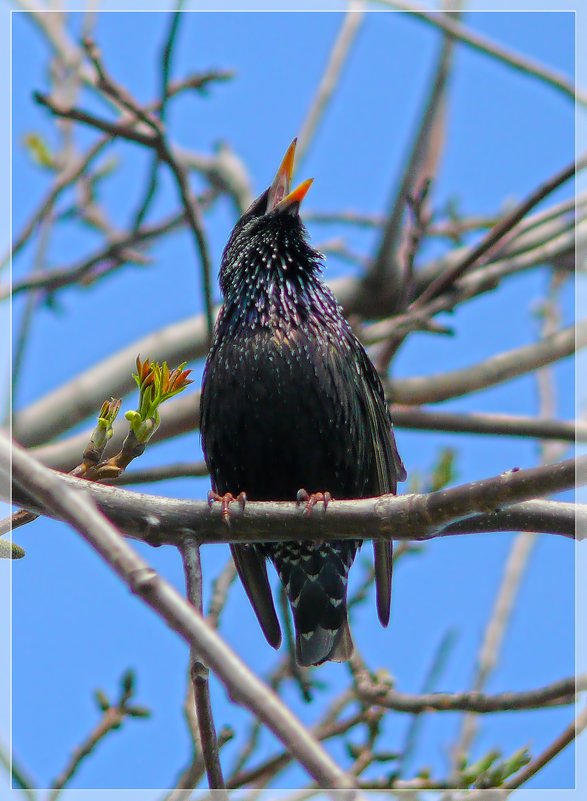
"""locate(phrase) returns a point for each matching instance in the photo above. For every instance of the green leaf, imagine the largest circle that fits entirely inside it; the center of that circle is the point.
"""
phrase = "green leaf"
(39, 150)
(128, 682)
(138, 712)
(101, 700)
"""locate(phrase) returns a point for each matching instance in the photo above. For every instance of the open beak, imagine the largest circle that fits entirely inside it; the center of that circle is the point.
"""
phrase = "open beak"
(279, 191)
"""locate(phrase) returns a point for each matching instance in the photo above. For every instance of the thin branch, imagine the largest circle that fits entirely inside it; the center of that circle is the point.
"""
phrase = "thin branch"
(481, 44)
(190, 554)
(559, 693)
(518, 558)
(480, 280)
(166, 62)
(17, 774)
(498, 232)
(488, 424)
(112, 719)
(220, 589)
(156, 141)
(435, 670)
(71, 172)
(408, 517)
(78, 509)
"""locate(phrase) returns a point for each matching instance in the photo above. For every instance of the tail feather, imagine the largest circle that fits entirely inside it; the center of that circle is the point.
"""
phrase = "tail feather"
(323, 645)
(315, 579)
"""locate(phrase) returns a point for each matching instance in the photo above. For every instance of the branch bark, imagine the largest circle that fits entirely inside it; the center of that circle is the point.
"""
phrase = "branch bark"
(452, 511)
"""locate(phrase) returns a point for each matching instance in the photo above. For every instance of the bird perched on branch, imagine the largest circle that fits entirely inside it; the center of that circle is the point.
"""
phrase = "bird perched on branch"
(292, 405)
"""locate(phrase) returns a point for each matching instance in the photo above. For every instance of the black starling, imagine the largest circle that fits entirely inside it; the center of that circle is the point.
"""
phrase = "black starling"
(290, 400)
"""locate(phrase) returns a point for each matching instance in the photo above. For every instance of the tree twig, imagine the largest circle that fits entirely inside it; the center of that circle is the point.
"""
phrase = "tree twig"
(559, 693)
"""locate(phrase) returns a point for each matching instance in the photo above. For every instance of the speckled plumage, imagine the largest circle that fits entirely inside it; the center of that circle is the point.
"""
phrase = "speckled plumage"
(290, 400)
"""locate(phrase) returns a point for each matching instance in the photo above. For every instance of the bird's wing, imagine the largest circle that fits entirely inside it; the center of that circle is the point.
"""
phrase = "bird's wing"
(389, 469)
(252, 570)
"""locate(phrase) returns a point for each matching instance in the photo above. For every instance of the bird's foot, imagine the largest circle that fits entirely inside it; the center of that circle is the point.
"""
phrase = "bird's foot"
(311, 500)
(226, 500)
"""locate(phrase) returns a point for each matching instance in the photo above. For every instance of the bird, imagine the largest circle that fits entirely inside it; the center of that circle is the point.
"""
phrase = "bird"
(292, 408)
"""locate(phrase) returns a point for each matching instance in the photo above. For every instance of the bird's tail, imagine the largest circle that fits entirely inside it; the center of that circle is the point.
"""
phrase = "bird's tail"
(315, 579)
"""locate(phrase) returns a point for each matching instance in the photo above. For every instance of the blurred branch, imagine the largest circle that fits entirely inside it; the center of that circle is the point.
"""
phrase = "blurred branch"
(351, 24)
(559, 693)
(79, 510)
(166, 60)
(419, 169)
(483, 45)
(17, 775)
(495, 370)
(520, 552)
(73, 170)
(113, 716)
(437, 666)
(566, 737)
(425, 516)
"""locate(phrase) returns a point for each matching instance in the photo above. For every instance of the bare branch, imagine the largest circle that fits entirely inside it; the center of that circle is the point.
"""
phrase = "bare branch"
(408, 517)
(559, 693)
(386, 261)
(155, 140)
(71, 172)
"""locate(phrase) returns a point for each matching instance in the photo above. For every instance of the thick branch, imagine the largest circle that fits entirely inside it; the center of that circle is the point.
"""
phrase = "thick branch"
(409, 517)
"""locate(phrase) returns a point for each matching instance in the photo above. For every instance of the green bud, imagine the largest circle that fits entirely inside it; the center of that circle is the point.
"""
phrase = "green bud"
(101, 700)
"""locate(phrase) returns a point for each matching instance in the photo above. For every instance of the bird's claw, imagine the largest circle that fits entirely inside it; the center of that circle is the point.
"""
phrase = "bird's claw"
(226, 500)
(311, 500)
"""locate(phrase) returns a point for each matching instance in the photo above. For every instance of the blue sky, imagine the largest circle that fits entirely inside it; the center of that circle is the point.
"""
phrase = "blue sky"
(506, 134)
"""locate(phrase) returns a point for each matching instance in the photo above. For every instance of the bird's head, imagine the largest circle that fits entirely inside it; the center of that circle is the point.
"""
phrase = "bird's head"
(270, 241)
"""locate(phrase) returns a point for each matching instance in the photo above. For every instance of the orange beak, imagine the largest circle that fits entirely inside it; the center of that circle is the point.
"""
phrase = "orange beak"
(279, 191)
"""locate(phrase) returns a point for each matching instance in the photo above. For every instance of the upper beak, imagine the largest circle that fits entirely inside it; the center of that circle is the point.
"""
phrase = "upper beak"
(279, 191)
